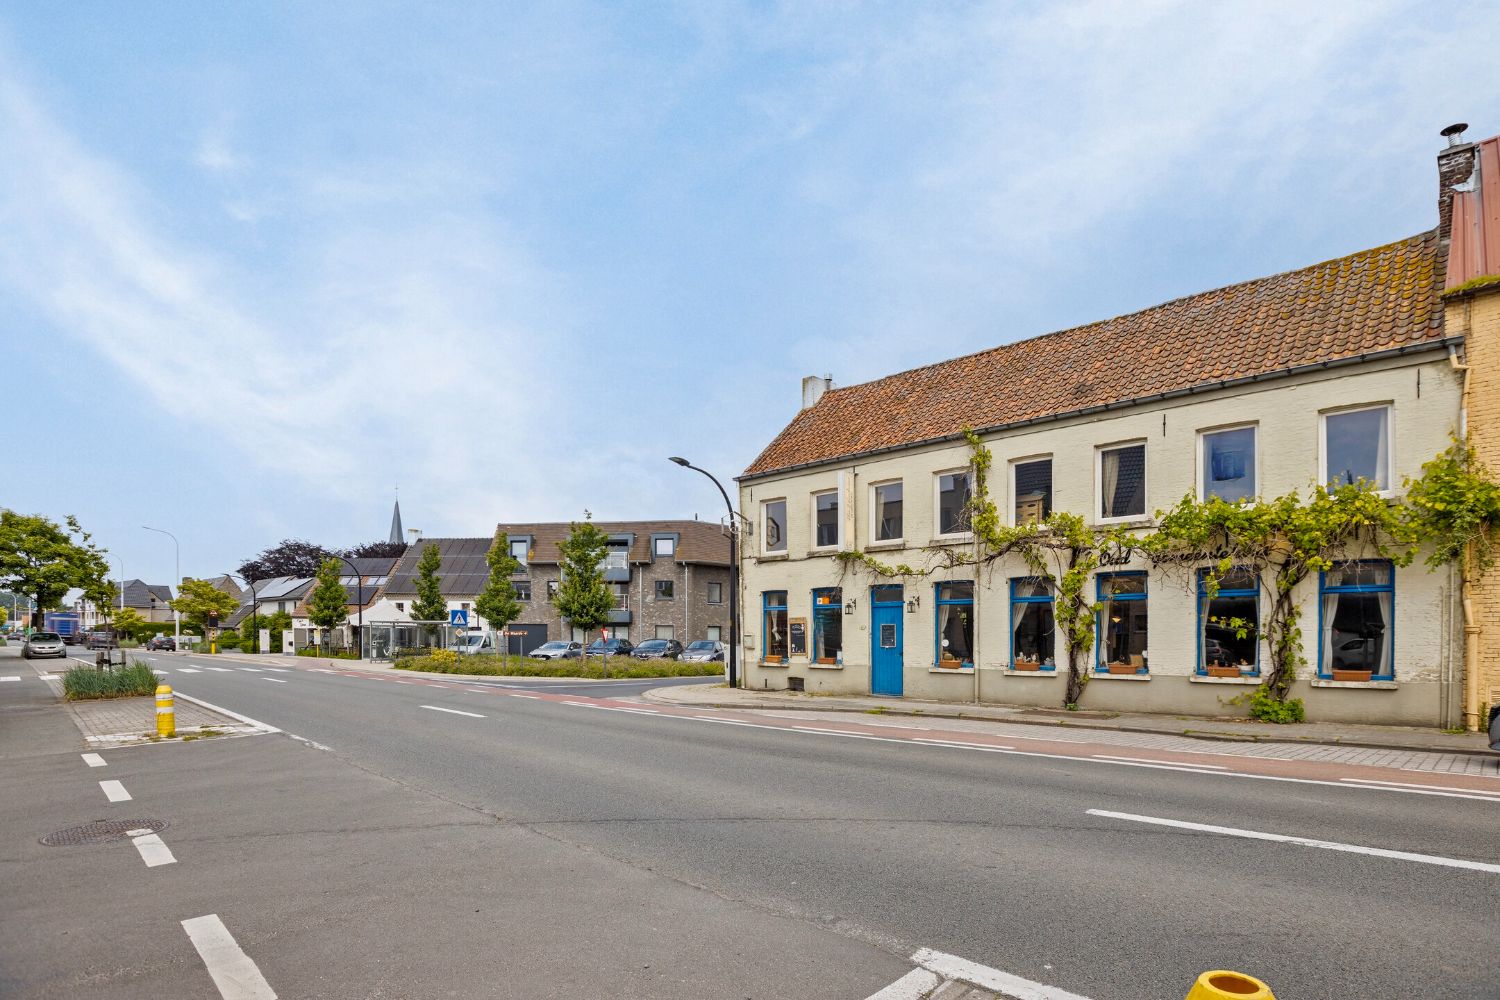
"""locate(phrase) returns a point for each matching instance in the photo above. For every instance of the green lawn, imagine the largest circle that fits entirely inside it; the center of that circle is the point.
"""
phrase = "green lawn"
(591, 667)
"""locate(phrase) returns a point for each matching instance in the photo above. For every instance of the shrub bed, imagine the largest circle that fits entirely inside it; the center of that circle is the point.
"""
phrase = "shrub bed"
(84, 683)
(447, 662)
(337, 654)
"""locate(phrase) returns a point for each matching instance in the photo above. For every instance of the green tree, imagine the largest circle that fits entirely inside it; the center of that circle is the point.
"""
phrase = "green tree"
(497, 601)
(197, 599)
(582, 596)
(44, 560)
(127, 622)
(429, 605)
(327, 605)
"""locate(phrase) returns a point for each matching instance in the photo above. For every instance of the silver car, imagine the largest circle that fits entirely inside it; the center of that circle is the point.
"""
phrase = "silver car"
(704, 651)
(557, 650)
(41, 644)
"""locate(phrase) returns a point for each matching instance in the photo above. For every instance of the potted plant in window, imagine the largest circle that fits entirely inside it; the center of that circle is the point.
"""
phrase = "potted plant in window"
(772, 660)
(1028, 665)
(1220, 670)
(1116, 667)
(1340, 674)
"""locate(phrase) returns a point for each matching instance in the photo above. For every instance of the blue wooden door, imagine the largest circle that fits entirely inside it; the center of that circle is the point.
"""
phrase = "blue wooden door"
(885, 640)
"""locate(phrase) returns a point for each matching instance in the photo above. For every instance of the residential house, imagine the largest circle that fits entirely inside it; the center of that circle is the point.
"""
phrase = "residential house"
(1355, 367)
(152, 601)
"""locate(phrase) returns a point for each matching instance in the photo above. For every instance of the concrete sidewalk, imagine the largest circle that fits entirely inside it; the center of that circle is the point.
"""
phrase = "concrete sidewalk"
(1240, 730)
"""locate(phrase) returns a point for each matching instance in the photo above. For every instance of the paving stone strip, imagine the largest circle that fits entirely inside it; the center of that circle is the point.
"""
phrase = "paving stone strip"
(116, 722)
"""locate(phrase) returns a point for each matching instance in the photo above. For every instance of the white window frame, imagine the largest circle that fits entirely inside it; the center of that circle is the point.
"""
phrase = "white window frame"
(1202, 469)
(937, 502)
(1010, 505)
(1390, 441)
(812, 508)
(659, 541)
(1099, 451)
(786, 527)
(874, 526)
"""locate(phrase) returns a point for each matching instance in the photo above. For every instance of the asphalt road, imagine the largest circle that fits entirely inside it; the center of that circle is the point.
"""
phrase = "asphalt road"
(891, 846)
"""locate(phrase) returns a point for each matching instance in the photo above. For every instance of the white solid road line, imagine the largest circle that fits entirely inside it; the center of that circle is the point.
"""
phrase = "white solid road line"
(529, 697)
(93, 760)
(1147, 760)
(312, 743)
(264, 727)
(114, 791)
(233, 972)
(953, 967)
(153, 851)
(222, 670)
(1327, 845)
(274, 680)
(454, 711)
(1407, 784)
(915, 985)
(278, 670)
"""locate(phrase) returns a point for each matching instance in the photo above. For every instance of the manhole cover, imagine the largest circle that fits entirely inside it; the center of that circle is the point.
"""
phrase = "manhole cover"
(103, 831)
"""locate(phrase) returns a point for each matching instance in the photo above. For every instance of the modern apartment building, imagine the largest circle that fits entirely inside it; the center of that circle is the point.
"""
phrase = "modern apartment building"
(1358, 367)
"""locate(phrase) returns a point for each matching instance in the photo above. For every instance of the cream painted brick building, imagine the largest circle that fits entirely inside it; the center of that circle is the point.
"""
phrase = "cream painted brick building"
(1350, 367)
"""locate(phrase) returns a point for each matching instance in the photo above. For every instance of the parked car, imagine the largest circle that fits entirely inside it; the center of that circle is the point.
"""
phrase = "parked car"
(609, 647)
(1495, 727)
(160, 642)
(557, 650)
(477, 642)
(658, 649)
(704, 651)
(73, 639)
(102, 640)
(41, 644)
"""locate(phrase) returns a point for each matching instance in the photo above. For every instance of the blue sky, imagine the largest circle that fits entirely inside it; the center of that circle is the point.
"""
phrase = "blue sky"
(263, 266)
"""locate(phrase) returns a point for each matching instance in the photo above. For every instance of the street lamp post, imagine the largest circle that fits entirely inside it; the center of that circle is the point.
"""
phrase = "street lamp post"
(734, 574)
(177, 564)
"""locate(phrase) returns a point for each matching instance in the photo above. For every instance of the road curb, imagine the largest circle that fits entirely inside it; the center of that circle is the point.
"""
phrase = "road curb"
(651, 696)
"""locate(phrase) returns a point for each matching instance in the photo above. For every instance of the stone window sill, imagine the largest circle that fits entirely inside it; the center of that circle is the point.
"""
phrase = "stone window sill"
(889, 543)
(825, 666)
(1319, 682)
(771, 556)
(765, 663)
(950, 670)
(1205, 679)
(1119, 677)
(967, 538)
(1029, 673)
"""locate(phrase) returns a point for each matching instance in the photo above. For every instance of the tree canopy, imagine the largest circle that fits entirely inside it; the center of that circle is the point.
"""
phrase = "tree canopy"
(292, 557)
(429, 605)
(327, 605)
(582, 596)
(44, 560)
(497, 601)
(197, 599)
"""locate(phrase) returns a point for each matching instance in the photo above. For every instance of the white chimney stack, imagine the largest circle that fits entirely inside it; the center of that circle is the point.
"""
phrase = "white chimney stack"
(813, 388)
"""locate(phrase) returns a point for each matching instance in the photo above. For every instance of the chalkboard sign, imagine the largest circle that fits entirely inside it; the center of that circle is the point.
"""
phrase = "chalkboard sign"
(797, 636)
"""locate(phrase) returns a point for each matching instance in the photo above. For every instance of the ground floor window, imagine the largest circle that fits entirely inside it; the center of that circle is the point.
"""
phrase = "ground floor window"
(665, 632)
(1032, 625)
(1122, 622)
(828, 624)
(955, 624)
(773, 626)
(1356, 605)
(1229, 623)
(712, 632)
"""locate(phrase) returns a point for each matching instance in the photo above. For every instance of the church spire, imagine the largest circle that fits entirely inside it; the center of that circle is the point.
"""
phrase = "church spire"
(396, 532)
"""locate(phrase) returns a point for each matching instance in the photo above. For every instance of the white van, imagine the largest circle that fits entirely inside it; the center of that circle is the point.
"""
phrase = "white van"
(478, 642)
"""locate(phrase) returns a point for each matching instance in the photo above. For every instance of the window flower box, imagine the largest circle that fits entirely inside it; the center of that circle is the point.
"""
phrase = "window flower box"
(828, 661)
(1028, 665)
(948, 663)
(773, 660)
(1352, 675)
(1121, 668)
(1217, 671)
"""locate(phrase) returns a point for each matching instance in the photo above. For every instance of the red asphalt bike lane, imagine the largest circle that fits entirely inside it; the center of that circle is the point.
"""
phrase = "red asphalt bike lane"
(1368, 777)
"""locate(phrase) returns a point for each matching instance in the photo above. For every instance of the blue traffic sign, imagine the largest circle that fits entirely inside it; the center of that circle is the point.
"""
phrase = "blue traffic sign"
(459, 617)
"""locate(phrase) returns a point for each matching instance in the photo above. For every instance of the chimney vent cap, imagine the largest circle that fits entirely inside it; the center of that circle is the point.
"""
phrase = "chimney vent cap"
(1454, 132)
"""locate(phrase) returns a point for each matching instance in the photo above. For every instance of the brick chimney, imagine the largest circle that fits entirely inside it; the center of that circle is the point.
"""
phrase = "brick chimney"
(813, 388)
(1455, 167)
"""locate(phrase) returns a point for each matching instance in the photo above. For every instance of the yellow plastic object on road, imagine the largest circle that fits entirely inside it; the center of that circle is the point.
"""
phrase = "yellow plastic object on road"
(1223, 985)
(166, 712)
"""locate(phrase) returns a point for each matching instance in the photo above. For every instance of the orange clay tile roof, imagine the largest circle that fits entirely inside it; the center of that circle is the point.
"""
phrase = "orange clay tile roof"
(1375, 300)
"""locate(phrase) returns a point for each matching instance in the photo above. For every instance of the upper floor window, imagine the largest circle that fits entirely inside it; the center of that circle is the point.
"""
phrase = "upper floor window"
(520, 548)
(665, 590)
(622, 595)
(1032, 488)
(826, 519)
(1357, 445)
(663, 546)
(523, 590)
(1228, 464)
(617, 556)
(774, 515)
(1122, 482)
(715, 593)
(953, 492)
(887, 511)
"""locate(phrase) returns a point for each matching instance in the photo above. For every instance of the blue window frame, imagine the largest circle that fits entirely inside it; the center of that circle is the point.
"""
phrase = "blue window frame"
(1356, 620)
(828, 625)
(1223, 617)
(1033, 625)
(1120, 628)
(773, 625)
(953, 641)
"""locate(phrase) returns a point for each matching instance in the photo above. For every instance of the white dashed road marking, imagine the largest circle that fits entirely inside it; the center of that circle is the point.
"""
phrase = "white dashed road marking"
(963, 970)
(454, 711)
(274, 680)
(9, 678)
(1327, 845)
(93, 760)
(114, 791)
(222, 670)
(153, 851)
(188, 670)
(915, 985)
(233, 972)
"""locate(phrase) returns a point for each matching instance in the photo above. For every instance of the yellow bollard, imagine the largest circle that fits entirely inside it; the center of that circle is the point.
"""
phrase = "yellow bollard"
(166, 714)
(1222, 985)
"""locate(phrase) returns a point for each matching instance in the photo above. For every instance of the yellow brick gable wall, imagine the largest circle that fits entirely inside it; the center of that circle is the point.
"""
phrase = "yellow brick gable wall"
(1477, 317)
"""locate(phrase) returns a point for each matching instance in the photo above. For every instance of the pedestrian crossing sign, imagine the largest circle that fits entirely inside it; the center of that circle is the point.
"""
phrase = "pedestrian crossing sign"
(458, 617)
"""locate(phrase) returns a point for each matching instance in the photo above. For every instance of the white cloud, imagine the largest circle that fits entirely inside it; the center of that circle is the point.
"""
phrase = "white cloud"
(214, 152)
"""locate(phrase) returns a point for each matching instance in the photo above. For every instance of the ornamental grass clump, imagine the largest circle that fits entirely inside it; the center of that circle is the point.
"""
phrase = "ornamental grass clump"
(86, 683)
